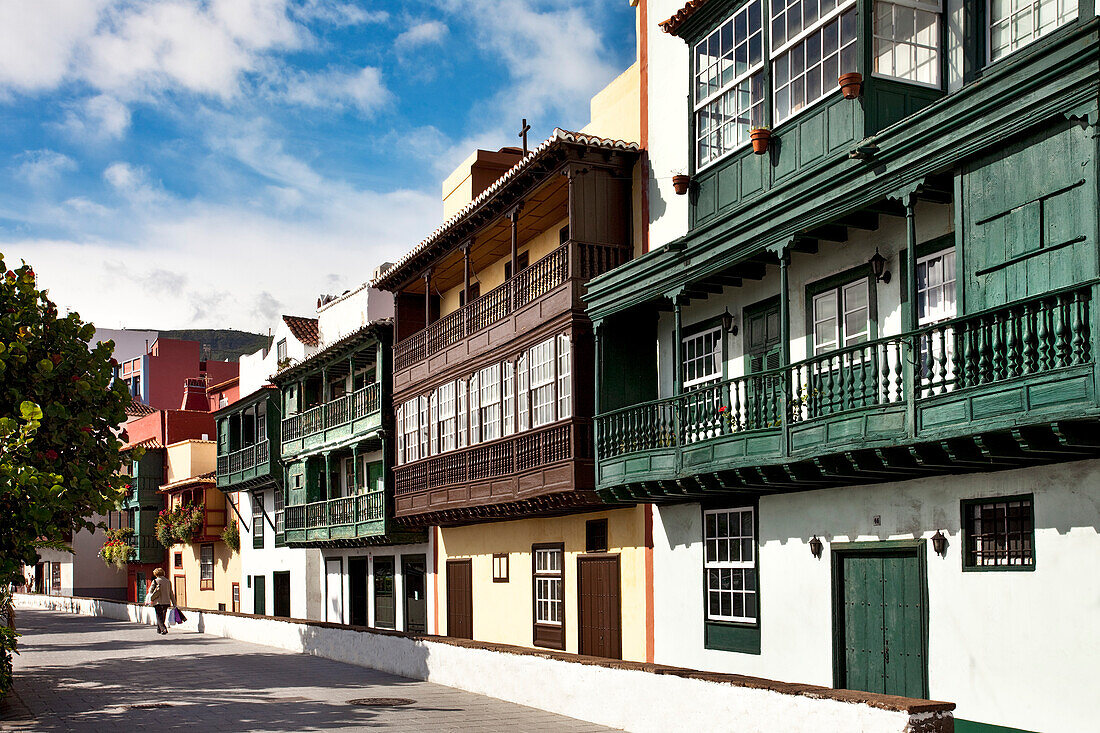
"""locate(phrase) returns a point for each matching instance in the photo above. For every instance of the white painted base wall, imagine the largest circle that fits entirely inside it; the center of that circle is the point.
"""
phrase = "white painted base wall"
(1016, 649)
(304, 565)
(334, 568)
(620, 698)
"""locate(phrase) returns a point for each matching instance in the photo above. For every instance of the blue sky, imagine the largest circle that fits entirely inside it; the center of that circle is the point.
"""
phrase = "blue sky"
(176, 163)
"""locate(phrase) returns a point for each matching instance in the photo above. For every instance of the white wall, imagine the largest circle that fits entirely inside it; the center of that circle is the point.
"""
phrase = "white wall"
(82, 571)
(1009, 648)
(304, 565)
(256, 368)
(621, 698)
(426, 549)
(352, 311)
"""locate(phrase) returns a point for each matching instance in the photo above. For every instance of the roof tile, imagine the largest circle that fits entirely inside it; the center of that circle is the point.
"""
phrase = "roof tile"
(304, 329)
(672, 25)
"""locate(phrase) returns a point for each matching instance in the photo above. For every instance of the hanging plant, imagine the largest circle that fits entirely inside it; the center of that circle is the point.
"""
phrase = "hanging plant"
(179, 524)
(231, 535)
(117, 550)
(164, 529)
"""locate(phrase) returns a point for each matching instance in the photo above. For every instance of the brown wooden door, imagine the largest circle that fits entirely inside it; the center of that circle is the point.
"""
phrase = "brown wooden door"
(600, 618)
(460, 599)
(181, 591)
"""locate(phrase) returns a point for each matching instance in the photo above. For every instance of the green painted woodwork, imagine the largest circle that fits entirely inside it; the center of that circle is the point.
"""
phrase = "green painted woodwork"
(256, 465)
(880, 621)
(731, 637)
(144, 504)
(1029, 217)
(627, 340)
(259, 595)
(970, 726)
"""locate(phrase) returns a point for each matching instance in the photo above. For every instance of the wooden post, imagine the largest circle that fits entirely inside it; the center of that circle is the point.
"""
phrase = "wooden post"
(328, 476)
(355, 469)
(427, 298)
(466, 274)
(677, 346)
(912, 316)
(513, 217)
(785, 343)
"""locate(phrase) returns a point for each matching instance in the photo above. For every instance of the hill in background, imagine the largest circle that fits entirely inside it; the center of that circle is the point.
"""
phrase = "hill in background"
(225, 344)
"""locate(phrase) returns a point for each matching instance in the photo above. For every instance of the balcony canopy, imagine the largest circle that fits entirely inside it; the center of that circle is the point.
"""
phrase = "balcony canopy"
(336, 355)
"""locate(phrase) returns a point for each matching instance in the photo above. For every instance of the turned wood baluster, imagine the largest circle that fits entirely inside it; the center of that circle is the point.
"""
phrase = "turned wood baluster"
(884, 370)
(941, 360)
(985, 355)
(1012, 344)
(1043, 337)
(1061, 330)
(1080, 328)
(735, 418)
(1031, 359)
(796, 398)
(726, 402)
(997, 352)
(899, 373)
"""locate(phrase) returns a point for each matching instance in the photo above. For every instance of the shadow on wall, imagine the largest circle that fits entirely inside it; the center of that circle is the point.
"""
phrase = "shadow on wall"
(366, 647)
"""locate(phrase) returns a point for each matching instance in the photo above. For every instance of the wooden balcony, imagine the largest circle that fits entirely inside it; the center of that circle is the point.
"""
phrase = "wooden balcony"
(545, 469)
(353, 414)
(1009, 386)
(549, 287)
(147, 548)
(346, 518)
(245, 467)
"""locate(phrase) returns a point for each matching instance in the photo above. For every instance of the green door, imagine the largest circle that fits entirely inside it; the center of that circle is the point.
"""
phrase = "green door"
(882, 629)
(259, 595)
(762, 403)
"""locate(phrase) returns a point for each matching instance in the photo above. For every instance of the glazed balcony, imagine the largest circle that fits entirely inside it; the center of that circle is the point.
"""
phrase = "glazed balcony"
(346, 518)
(548, 467)
(548, 287)
(146, 547)
(248, 456)
(344, 417)
(1003, 387)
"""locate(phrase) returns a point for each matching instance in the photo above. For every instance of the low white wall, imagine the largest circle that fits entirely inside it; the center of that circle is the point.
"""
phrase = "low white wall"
(622, 698)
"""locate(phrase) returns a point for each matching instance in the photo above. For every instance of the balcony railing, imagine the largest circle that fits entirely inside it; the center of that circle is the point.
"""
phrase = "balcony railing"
(334, 413)
(243, 459)
(335, 512)
(499, 458)
(546, 274)
(1030, 337)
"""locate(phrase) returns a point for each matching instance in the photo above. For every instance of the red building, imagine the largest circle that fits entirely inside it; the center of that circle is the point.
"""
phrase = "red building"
(157, 378)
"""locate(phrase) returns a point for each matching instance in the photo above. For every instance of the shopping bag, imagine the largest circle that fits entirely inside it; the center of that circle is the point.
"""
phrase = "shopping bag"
(175, 616)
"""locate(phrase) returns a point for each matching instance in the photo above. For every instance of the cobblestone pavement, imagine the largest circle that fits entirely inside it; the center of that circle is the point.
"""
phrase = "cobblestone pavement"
(79, 673)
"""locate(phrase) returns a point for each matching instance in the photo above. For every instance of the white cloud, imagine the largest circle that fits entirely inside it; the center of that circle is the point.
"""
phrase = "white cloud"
(363, 90)
(41, 38)
(82, 205)
(42, 167)
(338, 14)
(133, 184)
(421, 34)
(101, 117)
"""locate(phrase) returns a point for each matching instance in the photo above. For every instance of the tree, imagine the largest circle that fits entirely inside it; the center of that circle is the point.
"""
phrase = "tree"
(59, 408)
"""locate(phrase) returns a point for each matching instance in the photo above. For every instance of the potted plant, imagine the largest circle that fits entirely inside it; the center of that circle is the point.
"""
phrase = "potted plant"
(851, 84)
(761, 137)
(117, 550)
(680, 183)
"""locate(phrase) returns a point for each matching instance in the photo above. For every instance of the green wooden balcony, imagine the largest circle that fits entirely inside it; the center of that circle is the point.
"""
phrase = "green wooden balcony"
(1004, 387)
(346, 518)
(353, 414)
(246, 466)
(147, 548)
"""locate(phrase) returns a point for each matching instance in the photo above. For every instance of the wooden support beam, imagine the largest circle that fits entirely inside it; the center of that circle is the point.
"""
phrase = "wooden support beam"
(708, 287)
(887, 207)
(728, 281)
(750, 270)
(831, 232)
(865, 220)
(805, 245)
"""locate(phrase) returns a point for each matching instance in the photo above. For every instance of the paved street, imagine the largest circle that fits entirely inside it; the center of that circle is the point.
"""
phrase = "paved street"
(85, 674)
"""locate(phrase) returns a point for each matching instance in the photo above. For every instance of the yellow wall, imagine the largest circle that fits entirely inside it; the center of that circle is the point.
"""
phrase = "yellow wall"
(503, 611)
(492, 276)
(190, 458)
(227, 564)
(616, 109)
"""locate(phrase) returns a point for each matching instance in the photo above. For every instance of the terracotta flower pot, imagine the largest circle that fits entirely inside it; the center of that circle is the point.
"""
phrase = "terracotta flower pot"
(680, 183)
(760, 138)
(851, 84)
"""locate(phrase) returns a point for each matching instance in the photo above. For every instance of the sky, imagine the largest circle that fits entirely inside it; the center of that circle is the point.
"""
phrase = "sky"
(217, 163)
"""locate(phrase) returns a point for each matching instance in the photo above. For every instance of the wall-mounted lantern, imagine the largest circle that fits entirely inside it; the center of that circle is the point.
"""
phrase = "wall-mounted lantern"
(816, 547)
(878, 267)
(728, 324)
(939, 544)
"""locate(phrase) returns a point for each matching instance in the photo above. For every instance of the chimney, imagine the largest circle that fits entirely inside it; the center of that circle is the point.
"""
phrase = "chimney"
(194, 395)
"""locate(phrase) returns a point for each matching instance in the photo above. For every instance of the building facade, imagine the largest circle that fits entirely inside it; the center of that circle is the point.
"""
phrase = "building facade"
(855, 370)
(157, 377)
(493, 398)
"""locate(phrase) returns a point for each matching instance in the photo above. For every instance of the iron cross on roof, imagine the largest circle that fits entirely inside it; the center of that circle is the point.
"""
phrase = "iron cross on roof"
(523, 134)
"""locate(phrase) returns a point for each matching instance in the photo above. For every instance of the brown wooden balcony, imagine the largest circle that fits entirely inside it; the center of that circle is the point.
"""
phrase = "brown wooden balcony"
(544, 469)
(1008, 386)
(550, 286)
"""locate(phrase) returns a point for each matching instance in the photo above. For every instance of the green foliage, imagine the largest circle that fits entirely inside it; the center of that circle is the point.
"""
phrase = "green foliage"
(118, 548)
(225, 344)
(59, 404)
(231, 535)
(179, 524)
(7, 638)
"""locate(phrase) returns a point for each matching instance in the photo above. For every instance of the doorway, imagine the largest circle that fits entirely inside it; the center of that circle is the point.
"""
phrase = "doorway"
(385, 611)
(280, 591)
(880, 618)
(259, 595)
(334, 590)
(181, 591)
(460, 599)
(762, 353)
(357, 590)
(414, 575)
(599, 625)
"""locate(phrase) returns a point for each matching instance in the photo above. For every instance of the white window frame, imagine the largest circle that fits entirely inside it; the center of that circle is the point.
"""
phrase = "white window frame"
(444, 417)
(425, 422)
(564, 377)
(1016, 45)
(719, 95)
(460, 416)
(508, 398)
(411, 430)
(549, 586)
(841, 338)
(934, 7)
(475, 412)
(780, 51)
(740, 566)
(543, 400)
(947, 283)
(717, 354)
(523, 394)
(489, 402)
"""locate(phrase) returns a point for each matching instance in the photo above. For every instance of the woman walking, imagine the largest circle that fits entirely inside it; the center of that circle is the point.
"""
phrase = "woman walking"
(161, 598)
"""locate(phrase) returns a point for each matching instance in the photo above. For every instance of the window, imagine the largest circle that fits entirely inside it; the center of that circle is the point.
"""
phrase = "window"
(424, 426)
(385, 605)
(460, 431)
(595, 535)
(522, 381)
(841, 317)
(542, 383)
(257, 521)
(702, 357)
(236, 598)
(565, 385)
(999, 534)
(489, 404)
(500, 568)
(936, 287)
(206, 567)
(475, 293)
(730, 564)
(177, 560)
(280, 350)
(445, 417)
(549, 582)
(813, 42)
(523, 259)
(410, 433)
(729, 84)
(508, 396)
(1016, 23)
(907, 41)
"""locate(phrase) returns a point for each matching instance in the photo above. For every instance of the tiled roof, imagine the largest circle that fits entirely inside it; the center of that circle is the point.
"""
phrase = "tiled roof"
(673, 24)
(361, 333)
(558, 137)
(205, 478)
(304, 329)
(137, 408)
(147, 444)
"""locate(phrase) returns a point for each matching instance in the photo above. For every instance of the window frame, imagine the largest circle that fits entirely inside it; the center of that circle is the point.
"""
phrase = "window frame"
(925, 258)
(696, 331)
(965, 534)
(552, 633)
(753, 566)
(205, 567)
(925, 5)
(257, 521)
(987, 35)
(837, 282)
(500, 567)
